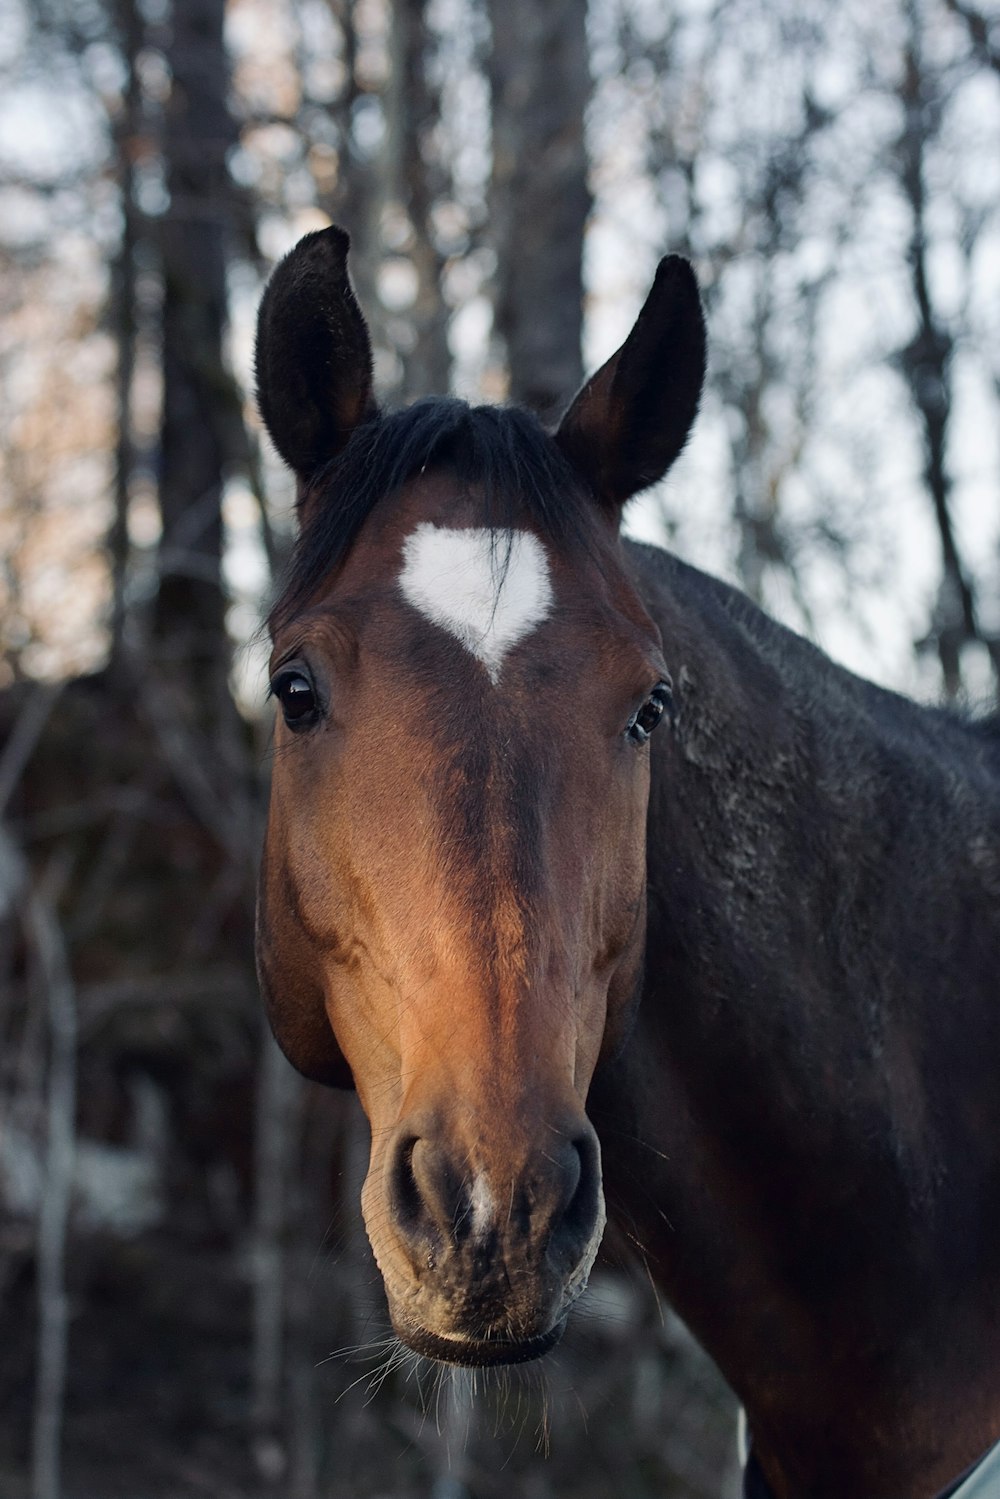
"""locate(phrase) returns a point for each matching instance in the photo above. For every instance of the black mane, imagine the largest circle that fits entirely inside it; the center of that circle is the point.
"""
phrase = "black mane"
(503, 451)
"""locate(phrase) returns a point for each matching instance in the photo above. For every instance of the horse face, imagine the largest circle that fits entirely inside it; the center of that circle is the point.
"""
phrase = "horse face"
(455, 871)
(452, 896)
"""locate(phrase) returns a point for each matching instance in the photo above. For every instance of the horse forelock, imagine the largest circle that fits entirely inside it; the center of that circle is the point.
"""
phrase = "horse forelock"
(504, 453)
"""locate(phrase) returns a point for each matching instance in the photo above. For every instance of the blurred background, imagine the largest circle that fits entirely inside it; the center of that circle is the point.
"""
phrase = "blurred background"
(189, 1306)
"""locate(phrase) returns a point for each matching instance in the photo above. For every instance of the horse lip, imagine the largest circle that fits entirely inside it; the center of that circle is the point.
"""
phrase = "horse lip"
(477, 1353)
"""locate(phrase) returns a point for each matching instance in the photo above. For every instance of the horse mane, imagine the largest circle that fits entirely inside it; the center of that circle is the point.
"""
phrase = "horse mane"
(503, 451)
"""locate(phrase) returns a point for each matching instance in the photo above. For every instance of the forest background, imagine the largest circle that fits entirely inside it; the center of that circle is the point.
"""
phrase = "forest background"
(189, 1306)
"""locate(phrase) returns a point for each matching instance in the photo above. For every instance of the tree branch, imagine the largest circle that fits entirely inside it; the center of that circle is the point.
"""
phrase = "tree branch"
(53, 1220)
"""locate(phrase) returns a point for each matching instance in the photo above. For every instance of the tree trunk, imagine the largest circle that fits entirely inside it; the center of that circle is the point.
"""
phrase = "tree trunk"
(201, 416)
(415, 179)
(123, 314)
(540, 84)
(925, 364)
(355, 200)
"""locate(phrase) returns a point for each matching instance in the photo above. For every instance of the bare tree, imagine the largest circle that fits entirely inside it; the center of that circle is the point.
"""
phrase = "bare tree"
(53, 1219)
(124, 311)
(416, 179)
(201, 427)
(980, 31)
(926, 361)
(539, 73)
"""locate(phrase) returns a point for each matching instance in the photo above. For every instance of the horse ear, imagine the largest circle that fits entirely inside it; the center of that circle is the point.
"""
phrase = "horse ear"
(314, 356)
(631, 419)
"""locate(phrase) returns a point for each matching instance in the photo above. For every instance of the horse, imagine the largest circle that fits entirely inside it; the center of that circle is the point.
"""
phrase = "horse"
(610, 895)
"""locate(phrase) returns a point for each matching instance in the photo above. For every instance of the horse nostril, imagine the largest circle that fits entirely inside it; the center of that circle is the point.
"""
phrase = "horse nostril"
(581, 1196)
(404, 1192)
(424, 1194)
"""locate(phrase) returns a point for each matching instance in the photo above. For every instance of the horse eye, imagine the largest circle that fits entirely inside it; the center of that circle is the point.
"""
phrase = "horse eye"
(642, 723)
(294, 692)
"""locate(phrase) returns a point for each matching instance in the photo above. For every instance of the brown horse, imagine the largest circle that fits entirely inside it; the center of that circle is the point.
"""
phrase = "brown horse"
(596, 882)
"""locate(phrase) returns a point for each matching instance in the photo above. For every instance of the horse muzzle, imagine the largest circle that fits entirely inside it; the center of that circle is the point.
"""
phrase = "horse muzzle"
(482, 1256)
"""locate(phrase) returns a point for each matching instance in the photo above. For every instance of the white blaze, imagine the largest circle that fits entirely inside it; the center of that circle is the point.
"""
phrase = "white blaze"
(487, 588)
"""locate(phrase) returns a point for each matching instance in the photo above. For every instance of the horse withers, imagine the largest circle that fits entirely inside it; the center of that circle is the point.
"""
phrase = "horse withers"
(599, 885)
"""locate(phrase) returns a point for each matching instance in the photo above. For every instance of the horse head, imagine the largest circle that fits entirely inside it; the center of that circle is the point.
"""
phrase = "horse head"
(452, 898)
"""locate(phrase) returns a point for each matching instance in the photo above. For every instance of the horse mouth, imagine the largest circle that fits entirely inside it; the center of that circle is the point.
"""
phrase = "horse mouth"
(478, 1353)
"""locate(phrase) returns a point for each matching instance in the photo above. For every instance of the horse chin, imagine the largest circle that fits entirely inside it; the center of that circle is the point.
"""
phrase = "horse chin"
(476, 1353)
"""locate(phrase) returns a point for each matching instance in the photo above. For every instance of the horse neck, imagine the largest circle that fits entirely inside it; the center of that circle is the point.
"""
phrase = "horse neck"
(810, 1094)
(815, 843)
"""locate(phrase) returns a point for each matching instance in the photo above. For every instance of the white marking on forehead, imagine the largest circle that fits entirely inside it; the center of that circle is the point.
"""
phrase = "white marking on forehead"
(487, 588)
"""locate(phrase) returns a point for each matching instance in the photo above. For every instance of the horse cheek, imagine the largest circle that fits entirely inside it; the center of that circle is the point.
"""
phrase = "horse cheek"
(294, 1002)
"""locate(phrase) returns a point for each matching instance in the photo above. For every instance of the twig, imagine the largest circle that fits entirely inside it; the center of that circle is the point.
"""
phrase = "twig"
(53, 1218)
(234, 883)
(279, 1092)
(220, 986)
(187, 760)
(111, 861)
(26, 734)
